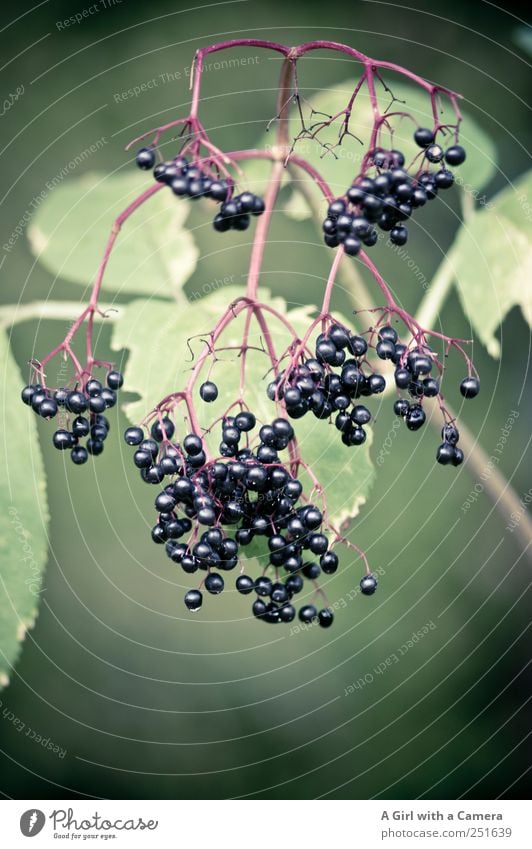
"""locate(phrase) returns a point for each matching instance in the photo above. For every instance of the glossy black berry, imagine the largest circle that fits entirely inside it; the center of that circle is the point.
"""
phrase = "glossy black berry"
(325, 618)
(208, 391)
(415, 417)
(401, 407)
(145, 158)
(193, 600)
(115, 380)
(192, 444)
(423, 136)
(133, 435)
(308, 613)
(76, 402)
(445, 454)
(368, 584)
(214, 583)
(79, 455)
(62, 439)
(455, 155)
(245, 584)
(470, 387)
(399, 235)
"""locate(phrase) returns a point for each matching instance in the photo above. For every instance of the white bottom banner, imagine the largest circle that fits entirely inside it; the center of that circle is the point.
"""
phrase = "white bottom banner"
(243, 823)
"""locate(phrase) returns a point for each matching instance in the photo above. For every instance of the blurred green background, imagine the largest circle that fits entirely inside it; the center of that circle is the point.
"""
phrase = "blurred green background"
(148, 702)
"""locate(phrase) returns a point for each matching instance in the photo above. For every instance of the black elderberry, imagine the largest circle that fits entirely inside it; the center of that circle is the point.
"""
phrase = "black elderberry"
(308, 613)
(455, 155)
(76, 402)
(415, 417)
(434, 153)
(449, 433)
(192, 444)
(145, 158)
(245, 584)
(470, 387)
(423, 137)
(214, 583)
(399, 235)
(368, 584)
(325, 618)
(48, 408)
(134, 435)
(287, 613)
(208, 391)
(62, 439)
(445, 454)
(401, 407)
(79, 455)
(193, 600)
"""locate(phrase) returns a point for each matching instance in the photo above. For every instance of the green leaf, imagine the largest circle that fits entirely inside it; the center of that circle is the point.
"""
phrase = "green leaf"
(340, 168)
(523, 37)
(23, 517)
(492, 261)
(160, 360)
(152, 254)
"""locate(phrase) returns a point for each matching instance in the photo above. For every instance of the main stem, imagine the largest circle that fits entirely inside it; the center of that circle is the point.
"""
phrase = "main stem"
(275, 181)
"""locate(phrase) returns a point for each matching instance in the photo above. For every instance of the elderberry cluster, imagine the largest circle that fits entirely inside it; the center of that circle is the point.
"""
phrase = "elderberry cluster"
(188, 180)
(248, 490)
(314, 386)
(92, 400)
(389, 198)
(412, 373)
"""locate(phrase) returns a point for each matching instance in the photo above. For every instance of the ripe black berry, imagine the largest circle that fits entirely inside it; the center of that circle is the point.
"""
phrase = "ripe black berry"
(193, 600)
(208, 391)
(145, 158)
(470, 387)
(368, 584)
(455, 155)
(423, 136)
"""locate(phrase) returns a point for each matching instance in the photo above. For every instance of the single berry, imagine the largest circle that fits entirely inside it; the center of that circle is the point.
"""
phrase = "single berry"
(368, 584)
(325, 617)
(470, 387)
(423, 136)
(134, 435)
(79, 455)
(214, 583)
(193, 600)
(308, 613)
(208, 391)
(455, 155)
(115, 380)
(145, 158)
(245, 584)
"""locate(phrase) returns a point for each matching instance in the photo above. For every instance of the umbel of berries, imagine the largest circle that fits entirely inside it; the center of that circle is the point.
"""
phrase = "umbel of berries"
(188, 180)
(83, 426)
(387, 193)
(210, 510)
(334, 383)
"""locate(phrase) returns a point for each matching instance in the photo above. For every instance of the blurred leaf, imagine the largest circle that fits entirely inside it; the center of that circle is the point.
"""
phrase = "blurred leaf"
(523, 37)
(160, 360)
(23, 517)
(492, 260)
(341, 167)
(153, 252)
